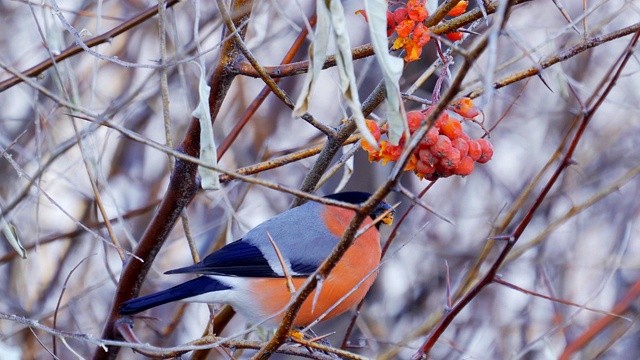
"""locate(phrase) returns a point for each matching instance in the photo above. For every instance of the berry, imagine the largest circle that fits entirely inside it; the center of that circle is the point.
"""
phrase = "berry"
(443, 172)
(399, 14)
(462, 145)
(416, 10)
(451, 128)
(442, 120)
(375, 131)
(405, 27)
(421, 34)
(430, 138)
(391, 24)
(465, 167)
(465, 108)
(455, 36)
(451, 159)
(427, 157)
(459, 9)
(423, 168)
(373, 127)
(475, 151)
(441, 147)
(487, 150)
(414, 118)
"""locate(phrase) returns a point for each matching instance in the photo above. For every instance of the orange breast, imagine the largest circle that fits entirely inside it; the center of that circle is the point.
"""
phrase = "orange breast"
(359, 261)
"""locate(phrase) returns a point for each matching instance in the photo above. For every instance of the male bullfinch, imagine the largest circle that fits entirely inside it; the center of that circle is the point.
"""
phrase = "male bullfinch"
(248, 274)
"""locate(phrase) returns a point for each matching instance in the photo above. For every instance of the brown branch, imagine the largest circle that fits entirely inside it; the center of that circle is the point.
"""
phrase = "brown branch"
(515, 235)
(323, 271)
(182, 187)
(255, 104)
(94, 41)
(599, 326)
(285, 159)
(334, 144)
(347, 239)
(363, 51)
(560, 57)
(300, 67)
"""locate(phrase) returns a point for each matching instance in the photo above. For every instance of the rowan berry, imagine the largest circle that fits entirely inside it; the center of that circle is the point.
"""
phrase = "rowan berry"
(454, 36)
(465, 167)
(487, 150)
(462, 146)
(424, 169)
(451, 159)
(451, 128)
(414, 119)
(442, 146)
(475, 151)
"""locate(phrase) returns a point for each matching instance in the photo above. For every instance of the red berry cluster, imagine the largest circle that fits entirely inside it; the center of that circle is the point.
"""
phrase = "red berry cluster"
(408, 22)
(445, 150)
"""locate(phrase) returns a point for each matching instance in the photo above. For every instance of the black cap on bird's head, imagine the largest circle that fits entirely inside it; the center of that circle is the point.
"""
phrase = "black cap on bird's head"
(359, 197)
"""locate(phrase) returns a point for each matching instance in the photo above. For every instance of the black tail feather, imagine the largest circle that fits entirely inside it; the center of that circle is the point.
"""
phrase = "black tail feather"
(198, 286)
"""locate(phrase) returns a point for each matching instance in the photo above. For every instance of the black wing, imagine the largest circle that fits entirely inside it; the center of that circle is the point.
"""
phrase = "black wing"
(238, 258)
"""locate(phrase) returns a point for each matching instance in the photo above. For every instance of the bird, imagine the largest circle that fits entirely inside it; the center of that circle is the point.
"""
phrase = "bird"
(250, 275)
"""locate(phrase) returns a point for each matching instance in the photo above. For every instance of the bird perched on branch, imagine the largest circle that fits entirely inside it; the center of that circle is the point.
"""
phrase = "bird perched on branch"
(254, 274)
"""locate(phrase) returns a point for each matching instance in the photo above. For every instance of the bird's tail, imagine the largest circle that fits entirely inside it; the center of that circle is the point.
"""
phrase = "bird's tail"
(192, 288)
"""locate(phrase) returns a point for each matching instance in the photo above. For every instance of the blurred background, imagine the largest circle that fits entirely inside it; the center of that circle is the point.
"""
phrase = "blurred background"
(582, 245)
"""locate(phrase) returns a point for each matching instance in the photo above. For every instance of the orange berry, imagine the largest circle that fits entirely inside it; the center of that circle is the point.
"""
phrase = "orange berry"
(373, 127)
(465, 108)
(452, 128)
(451, 159)
(405, 28)
(416, 10)
(459, 9)
(475, 151)
(391, 25)
(441, 171)
(421, 34)
(375, 131)
(430, 138)
(465, 167)
(441, 120)
(424, 168)
(399, 14)
(454, 36)
(413, 51)
(414, 118)
(427, 157)
(442, 146)
(487, 151)
(461, 145)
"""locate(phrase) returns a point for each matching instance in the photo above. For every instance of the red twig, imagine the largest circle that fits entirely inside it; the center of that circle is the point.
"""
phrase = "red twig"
(515, 235)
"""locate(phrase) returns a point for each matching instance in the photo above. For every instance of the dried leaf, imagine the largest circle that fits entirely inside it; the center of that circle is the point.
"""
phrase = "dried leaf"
(208, 153)
(391, 68)
(11, 235)
(332, 22)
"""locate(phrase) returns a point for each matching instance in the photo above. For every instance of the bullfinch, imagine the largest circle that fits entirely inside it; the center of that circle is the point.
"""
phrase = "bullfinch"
(248, 274)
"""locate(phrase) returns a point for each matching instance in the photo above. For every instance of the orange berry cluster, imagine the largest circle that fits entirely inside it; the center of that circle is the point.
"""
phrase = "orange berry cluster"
(445, 150)
(408, 22)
